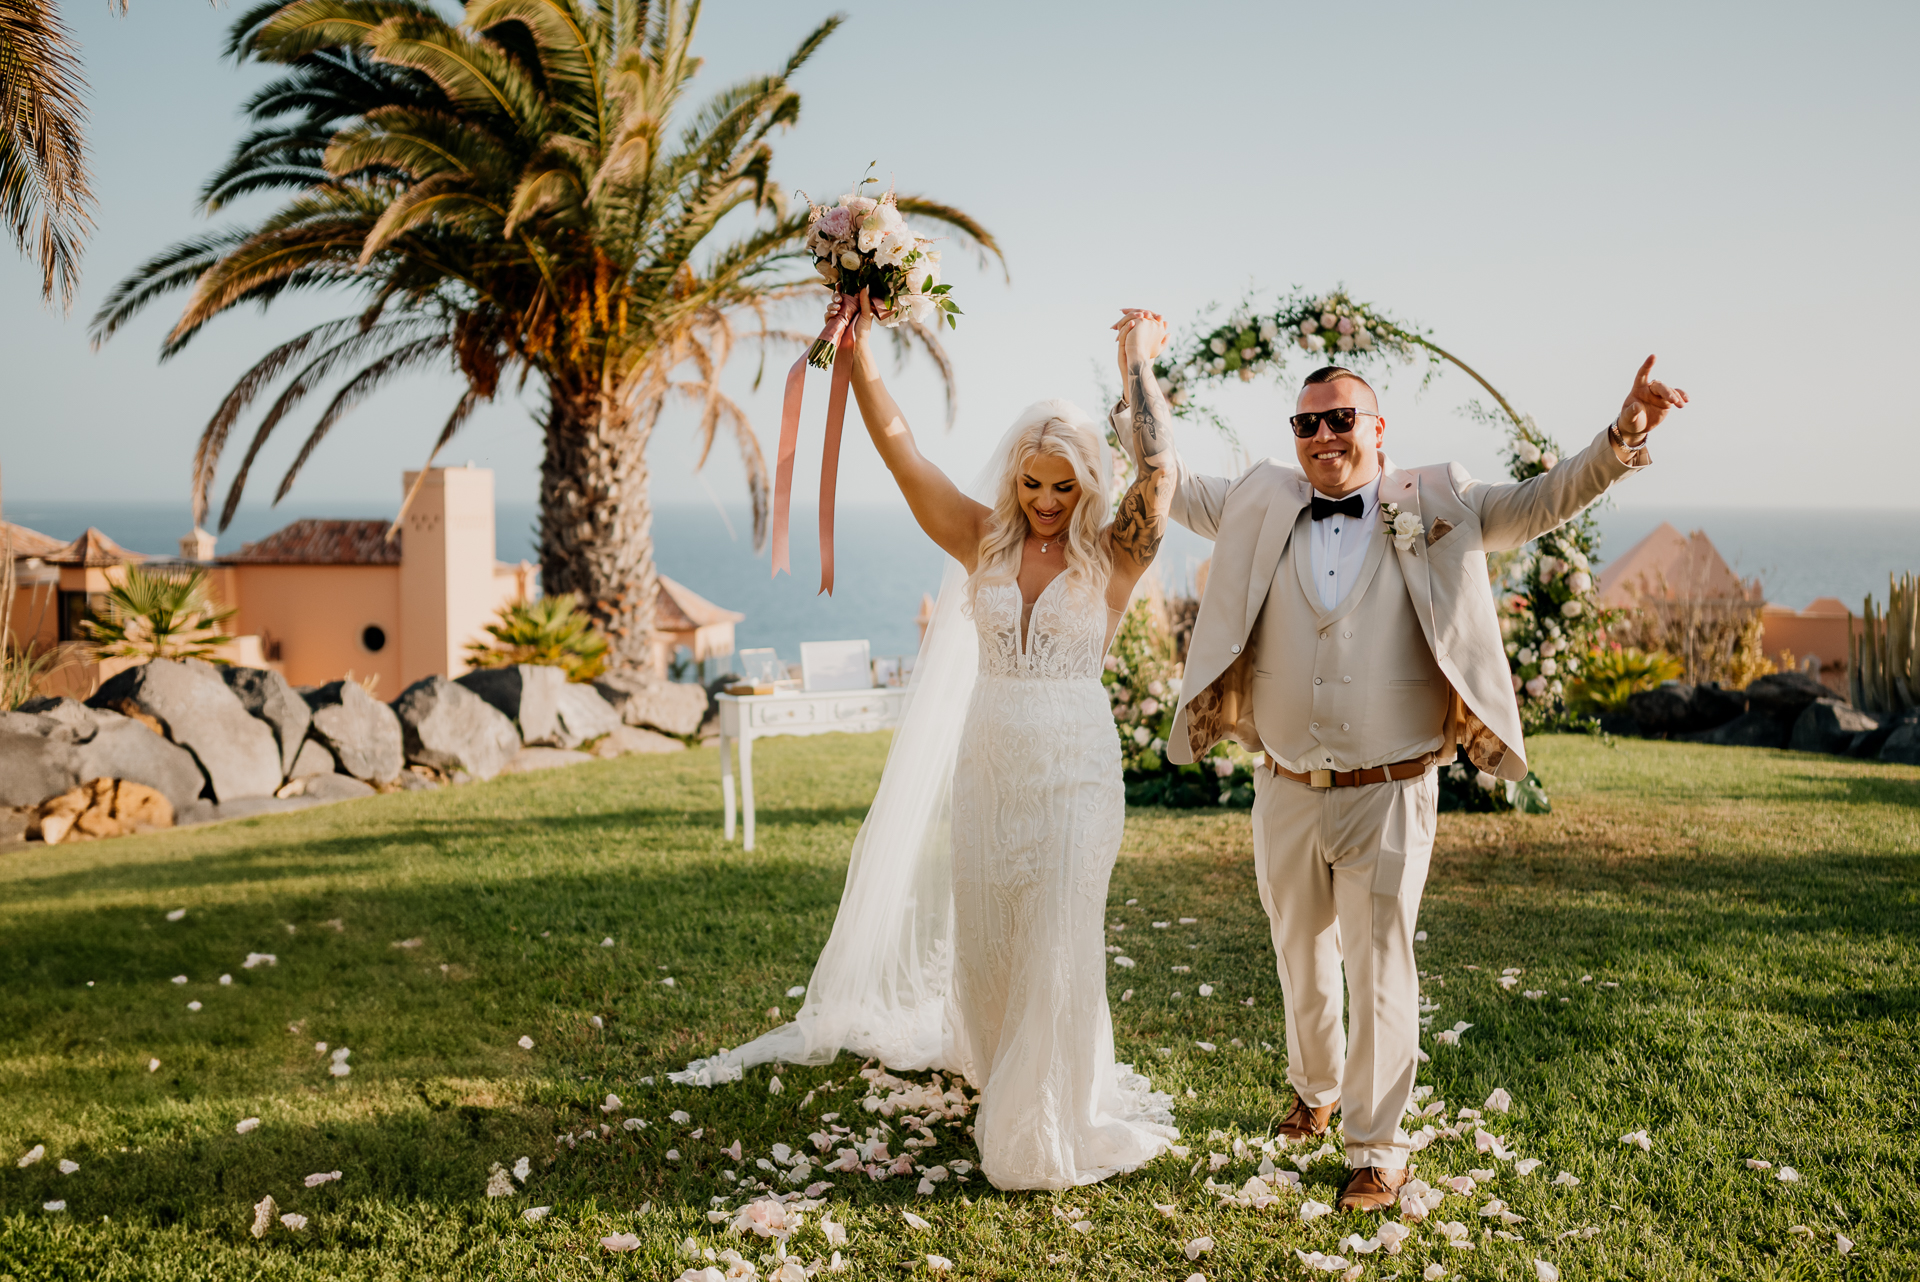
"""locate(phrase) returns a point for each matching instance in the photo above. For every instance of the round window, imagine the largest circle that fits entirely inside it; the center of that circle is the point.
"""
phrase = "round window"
(374, 637)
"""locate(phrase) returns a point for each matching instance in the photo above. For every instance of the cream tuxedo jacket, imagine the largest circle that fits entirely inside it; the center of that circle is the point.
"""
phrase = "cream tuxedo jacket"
(1251, 517)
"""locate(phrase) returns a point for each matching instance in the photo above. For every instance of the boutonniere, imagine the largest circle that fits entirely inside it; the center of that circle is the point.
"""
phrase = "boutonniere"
(1404, 526)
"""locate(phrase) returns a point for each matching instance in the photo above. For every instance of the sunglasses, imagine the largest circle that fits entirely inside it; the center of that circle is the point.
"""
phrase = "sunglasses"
(1307, 426)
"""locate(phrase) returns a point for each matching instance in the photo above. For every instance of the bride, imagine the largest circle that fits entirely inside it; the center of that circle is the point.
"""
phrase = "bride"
(971, 933)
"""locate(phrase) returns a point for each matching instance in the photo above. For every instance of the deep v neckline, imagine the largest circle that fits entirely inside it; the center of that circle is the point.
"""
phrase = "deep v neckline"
(1027, 611)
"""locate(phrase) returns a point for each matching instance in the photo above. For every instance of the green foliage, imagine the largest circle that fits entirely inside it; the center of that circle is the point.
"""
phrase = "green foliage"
(1143, 683)
(550, 631)
(157, 614)
(1609, 676)
(1464, 786)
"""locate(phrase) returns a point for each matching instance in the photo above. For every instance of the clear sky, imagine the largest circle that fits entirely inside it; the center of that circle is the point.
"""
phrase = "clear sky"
(1554, 190)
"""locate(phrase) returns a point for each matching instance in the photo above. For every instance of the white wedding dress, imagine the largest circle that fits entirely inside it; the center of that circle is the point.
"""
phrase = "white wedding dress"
(1038, 810)
(971, 931)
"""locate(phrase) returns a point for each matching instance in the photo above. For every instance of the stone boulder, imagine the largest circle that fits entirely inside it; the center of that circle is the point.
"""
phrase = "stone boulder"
(194, 708)
(1713, 705)
(361, 732)
(1830, 725)
(584, 715)
(1785, 695)
(35, 766)
(124, 749)
(623, 740)
(1666, 709)
(447, 726)
(313, 759)
(1749, 730)
(101, 808)
(204, 811)
(328, 788)
(1903, 745)
(80, 721)
(266, 694)
(528, 695)
(644, 700)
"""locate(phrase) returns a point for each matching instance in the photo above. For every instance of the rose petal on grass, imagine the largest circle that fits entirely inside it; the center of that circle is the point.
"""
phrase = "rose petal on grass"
(1526, 1166)
(609, 1104)
(1126, 963)
(522, 1169)
(915, 1222)
(1206, 990)
(596, 1021)
(195, 1006)
(1419, 936)
(620, 1243)
(294, 1220)
(58, 1204)
(32, 1155)
(1198, 1247)
(525, 1043)
(1787, 1175)
(1639, 1139)
(259, 959)
(1759, 1164)
(939, 1264)
(68, 1167)
(318, 1178)
(263, 1213)
(246, 1124)
(1568, 1179)
(179, 979)
(1499, 1101)
(1545, 1272)
(1842, 1243)
(340, 1068)
(1482, 1175)
(774, 1087)
(153, 1066)
(1434, 1272)
(535, 1214)
(1312, 1210)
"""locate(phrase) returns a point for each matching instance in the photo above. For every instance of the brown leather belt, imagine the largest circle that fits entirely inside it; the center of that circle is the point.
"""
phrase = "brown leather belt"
(1411, 768)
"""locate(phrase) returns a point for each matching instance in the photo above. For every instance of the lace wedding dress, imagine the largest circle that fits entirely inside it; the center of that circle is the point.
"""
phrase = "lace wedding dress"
(1037, 815)
(970, 935)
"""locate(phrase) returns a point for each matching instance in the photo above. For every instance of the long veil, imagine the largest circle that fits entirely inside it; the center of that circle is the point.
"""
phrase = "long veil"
(880, 986)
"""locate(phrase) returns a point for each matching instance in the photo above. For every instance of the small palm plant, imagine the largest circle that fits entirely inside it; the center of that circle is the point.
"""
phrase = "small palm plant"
(551, 632)
(155, 615)
(1610, 676)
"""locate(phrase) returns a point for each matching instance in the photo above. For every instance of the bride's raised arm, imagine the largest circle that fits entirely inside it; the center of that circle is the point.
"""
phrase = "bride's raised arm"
(1141, 522)
(950, 518)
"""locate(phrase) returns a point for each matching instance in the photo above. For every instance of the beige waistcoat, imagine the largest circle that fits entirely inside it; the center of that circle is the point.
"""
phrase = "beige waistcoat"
(1351, 687)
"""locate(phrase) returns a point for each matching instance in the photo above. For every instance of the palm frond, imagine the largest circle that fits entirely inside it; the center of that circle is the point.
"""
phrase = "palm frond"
(46, 199)
(972, 234)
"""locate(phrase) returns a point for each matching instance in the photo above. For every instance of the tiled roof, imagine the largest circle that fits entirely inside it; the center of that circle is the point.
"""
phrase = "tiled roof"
(317, 542)
(29, 542)
(92, 548)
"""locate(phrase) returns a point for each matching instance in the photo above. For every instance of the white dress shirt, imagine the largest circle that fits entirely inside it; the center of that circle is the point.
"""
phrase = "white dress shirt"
(1340, 545)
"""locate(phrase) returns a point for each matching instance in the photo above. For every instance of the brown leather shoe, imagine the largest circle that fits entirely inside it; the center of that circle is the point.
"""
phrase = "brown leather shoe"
(1372, 1188)
(1305, 1123)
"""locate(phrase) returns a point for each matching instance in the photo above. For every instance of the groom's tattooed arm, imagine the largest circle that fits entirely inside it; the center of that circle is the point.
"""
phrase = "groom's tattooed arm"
(1141, 521)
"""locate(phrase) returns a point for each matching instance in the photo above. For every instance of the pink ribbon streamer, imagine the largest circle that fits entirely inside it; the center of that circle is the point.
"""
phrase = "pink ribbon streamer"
(830, 458)
(836, 326)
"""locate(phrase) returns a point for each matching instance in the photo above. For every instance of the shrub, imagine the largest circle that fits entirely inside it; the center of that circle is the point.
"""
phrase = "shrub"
(549, 632)
(1143, 684)
(153, 614)
(1610, 676)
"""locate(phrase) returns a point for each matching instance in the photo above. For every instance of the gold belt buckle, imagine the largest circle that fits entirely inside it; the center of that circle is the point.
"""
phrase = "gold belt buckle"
(1319, 778)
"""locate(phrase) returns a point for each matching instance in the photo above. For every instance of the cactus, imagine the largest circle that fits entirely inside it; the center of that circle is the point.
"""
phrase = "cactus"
(1884, 675)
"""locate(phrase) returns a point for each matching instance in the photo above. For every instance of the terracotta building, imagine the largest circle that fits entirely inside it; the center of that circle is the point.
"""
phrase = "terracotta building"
(322, 599)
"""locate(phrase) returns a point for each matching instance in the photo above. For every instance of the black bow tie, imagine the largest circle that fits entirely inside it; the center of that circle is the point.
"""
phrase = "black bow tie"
(1352, 505)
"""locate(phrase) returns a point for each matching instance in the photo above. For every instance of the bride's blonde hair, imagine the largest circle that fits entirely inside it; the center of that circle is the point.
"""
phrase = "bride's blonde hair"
(1059, 429)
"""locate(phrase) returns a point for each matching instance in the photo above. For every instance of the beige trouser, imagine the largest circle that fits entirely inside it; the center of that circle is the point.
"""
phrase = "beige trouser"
(1341, 871)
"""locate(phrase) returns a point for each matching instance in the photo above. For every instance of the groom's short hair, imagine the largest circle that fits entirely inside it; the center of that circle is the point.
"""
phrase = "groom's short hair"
(1334, 373)
(1331, 373)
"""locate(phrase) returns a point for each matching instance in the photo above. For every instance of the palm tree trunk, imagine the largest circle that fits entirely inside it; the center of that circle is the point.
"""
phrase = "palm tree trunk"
(596, 525)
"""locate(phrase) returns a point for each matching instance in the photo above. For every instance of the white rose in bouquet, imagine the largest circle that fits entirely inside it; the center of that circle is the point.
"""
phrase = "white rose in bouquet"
(860, 205)
(1528, 451)
(828, 272)
(1309, 325)
(925, 270)
(850, 260)
(881, 223)
(893, 248)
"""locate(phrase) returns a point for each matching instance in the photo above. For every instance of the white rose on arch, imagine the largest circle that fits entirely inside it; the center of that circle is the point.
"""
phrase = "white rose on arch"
(1572, 610)
(1580, 581)
(1528, 451)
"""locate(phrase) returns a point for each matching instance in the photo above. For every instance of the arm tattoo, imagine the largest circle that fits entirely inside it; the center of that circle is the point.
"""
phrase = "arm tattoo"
(1141, 522)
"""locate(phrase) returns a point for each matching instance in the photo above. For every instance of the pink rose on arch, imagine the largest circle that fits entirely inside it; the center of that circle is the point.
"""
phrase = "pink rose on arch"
(1536, 687)
(1516, 683)
(1222, 767)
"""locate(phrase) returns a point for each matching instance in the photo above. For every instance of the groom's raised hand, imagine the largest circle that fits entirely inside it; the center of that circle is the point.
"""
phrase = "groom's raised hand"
(1646, 406)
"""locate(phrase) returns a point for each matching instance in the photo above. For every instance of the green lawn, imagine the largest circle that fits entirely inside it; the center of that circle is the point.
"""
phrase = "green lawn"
(1757, 910)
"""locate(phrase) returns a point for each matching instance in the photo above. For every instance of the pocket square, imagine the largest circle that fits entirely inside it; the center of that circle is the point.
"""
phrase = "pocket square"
(1438, 531)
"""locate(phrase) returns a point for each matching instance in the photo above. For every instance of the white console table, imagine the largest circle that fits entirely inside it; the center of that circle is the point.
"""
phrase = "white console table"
(746, 717)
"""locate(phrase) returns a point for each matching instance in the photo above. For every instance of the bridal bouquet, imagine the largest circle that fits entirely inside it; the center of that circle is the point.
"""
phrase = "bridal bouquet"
(860, 244)
(864, 243)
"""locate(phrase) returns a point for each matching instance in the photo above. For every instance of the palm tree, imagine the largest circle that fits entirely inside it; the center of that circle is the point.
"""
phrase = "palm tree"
(44, 191)
(518, 195)
(151, 614)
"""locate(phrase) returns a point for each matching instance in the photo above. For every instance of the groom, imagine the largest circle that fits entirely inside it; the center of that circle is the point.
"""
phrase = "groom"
(1355, 661)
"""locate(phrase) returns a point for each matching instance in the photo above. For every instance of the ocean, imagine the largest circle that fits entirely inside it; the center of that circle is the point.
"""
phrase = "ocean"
(885, 563)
